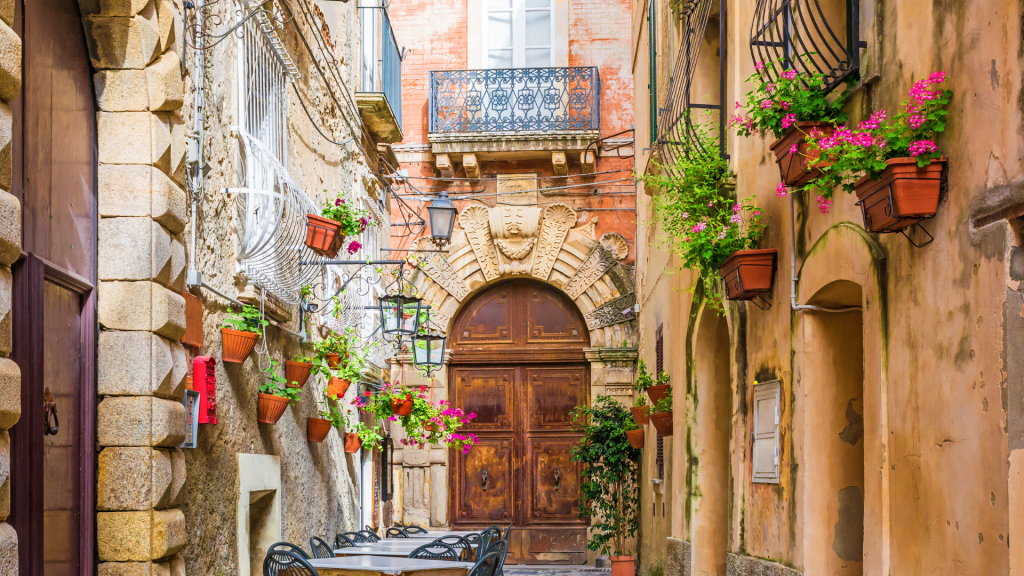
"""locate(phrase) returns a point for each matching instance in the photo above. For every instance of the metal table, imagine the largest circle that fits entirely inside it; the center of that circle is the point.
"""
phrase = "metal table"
(387, 566)
(393, 551)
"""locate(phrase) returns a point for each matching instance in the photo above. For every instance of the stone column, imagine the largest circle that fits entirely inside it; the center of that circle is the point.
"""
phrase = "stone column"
(135, 45)
(10, 247)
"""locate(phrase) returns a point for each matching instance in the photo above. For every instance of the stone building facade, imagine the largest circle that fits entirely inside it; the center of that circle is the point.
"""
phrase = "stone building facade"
(897, 438)
(173, 165)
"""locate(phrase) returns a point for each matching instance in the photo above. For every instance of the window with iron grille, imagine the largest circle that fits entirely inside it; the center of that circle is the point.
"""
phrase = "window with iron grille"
(263, 81)
(811, 36)
(652, 57)
(659, 353)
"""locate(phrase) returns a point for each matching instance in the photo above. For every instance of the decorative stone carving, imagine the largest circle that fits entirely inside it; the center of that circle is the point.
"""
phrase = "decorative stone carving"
(616, 244)
(611, 312)
(587, 230)
(440, 270)
(525, 183)
(558, 219)
(597, 263)
(619, 392)
(516, 251)
(474, 220)
(514, 229)
(440, 319)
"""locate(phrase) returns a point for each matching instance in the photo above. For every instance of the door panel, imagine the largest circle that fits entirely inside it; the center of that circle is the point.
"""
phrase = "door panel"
(552, 394)
(550, 317)
(486, 487)
(489, 320)
(488, 393)
(554, 481)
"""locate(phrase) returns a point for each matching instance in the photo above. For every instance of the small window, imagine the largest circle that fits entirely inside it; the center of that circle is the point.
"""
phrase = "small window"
(766, 449)
(518, 33)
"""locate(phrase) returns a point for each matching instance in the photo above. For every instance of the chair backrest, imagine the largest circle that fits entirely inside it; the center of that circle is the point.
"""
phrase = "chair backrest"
(395, 533)
(357, 538)
(410, 529)
(370, 535)
(507, 532)
(487, 565)
(345, 540)
(501, 547)
(287, 547)
(320, 548)
(460, 544)
(435, 551)
(284, 563)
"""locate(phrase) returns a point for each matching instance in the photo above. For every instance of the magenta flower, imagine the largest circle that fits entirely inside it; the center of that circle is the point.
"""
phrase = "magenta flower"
(780, 190)
(824, 204)
(937, 77)
(789, 74)
(736, 218)
(788, 120)
(920, 147)
(354, 247)
(686, 215)
(759, 66)
(766, 104)
(737, 207)
(794, 149)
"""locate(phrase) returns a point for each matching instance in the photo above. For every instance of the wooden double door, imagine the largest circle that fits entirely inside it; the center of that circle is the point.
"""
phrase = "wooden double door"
(518, 364)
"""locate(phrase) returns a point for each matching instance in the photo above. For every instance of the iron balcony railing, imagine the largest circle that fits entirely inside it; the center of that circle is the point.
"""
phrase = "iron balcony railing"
(388, 78)
(391, 70)
(515, 100)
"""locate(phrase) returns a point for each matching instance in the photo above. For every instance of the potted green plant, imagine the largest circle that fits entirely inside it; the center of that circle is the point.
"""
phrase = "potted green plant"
(702, 222)
(365, 436)
(645, 384)
(296, 371)
(339, 219)
(661, 415)
(609, 479)
(274, 396)
(640, 409)
(331, 348)
(789, 107)
(329, 416)
(892, 164)
(423, 422)
(240, 332)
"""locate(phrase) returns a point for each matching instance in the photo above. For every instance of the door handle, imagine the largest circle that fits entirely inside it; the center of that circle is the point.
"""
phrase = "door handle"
(484, 480)
(49, 409)
(558, 478)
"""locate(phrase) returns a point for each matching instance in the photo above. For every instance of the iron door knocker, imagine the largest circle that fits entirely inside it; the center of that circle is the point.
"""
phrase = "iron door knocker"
(558, 479)
(484, 479)
(49, 409)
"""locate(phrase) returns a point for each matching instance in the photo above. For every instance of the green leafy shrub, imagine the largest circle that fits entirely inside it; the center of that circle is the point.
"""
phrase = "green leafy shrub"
(248, 319)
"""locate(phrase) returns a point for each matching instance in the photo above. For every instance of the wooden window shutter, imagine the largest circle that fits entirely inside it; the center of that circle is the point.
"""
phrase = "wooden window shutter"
(659, 367)
(767, 414)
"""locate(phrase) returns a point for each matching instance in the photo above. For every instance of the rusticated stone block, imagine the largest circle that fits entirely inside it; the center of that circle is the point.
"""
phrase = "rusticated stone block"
(6, 143)
(177, 265)
(139, 363)
(170, 25)
(149, 30)
(10, 63)
(126, 569)
(169, 203)
(5, 475)
(6, 288)
(140, 421)
(10, 228)
(178, 476)
(139, 536)
(161, 140)
(7, 12)
(168, 313)
(141, 306)
(10, 394)
(177, 565)
(133, 479)
(127, 250)
(141, 190)
(117, 42)
(8, 550)
(124, 8)
(121, 90)
(124, 137)
(178, 144)
(166, 88)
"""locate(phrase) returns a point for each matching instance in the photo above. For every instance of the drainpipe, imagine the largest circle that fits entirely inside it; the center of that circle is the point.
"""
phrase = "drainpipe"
(195, 149)
(792, 269)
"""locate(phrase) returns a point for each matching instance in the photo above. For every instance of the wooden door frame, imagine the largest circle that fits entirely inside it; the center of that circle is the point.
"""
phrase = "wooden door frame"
(30, 274)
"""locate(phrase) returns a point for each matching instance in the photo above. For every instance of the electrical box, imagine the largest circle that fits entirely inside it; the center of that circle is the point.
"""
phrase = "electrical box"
(204, 379)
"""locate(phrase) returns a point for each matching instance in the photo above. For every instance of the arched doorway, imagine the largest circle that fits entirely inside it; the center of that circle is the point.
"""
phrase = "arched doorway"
(518, 362)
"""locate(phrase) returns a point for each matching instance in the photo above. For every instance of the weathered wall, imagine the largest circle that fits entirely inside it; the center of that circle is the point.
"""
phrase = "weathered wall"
(939, 386)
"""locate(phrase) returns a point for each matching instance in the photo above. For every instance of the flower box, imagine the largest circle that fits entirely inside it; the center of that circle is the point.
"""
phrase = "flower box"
(237, 344)
(636, 437)
(336, 387)
(323, 235)
(296, 372)
(656, 393)
(749, 273)
(352, 442)
(639, 414)
(902, 196)
(317, 429)
(270, 408)
(793, 165)
(662, 422)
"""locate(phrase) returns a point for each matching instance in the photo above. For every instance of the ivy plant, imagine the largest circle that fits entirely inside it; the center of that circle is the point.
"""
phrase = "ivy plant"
(610, 475)
(248, 319)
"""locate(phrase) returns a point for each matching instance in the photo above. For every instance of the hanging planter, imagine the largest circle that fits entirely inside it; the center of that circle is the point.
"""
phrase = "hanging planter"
(297, 372)
(636, 437)
(662, 422)
(639, 415)
(333, 360)
(317, 429)
(793, 166)
(336, 387)
(401, 407)
(237, 344)
(270, 408)
(903, 195)
(323, 235)
(656, 393)
(748, 273)
(352, 442)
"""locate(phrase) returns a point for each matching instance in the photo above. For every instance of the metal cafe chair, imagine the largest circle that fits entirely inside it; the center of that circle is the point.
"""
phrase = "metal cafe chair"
(395, 533)
(356, 538)
(345, 540)
(411, 529)
(474, 542)
(287, 547)
(283, 563)
(460, 544)
(320, 548)
(487, 565)
(370, 535)
(435, 551)
(501, 546)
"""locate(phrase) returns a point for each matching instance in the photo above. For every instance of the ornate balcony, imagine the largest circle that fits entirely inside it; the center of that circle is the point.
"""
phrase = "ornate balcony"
(520, 112)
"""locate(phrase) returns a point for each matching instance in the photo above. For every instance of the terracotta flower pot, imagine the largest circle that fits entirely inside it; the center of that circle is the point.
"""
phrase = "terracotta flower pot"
(623, 566)
(270, 408)
(662, 422)
(352, 442)
(317, 429)
(332, 360)
(336, 387)
(749, 273)
(401, 407)
(902, 196)
(793, 166)
(639, 414)
(323, 235)
(656, 393)
(237, 344)
(636, 437)
(297, 372)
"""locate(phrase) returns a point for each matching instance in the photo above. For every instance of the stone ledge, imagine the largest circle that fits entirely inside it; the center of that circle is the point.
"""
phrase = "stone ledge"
(492, 144)
(379, 117)
(737, 565)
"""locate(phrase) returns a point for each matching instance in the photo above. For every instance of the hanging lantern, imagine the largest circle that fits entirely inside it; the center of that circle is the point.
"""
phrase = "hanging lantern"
(428, 349)
(399, 314)
(442, 220)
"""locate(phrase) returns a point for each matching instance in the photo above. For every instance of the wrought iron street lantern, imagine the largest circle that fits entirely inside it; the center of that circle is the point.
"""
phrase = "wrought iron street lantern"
(428, 347)
(399, 314)
(442, 220)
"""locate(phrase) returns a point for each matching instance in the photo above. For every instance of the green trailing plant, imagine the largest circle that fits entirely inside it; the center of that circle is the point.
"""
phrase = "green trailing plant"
(303, 359)
(353, 220)
(644, 379)
(776, 105)
(609, 476)
(248, 319)
(426, 423)
(370, 436)
(701, 221)
(663, 405)
(276, 385)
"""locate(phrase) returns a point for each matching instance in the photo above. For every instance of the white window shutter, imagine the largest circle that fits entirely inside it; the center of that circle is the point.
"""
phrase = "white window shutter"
(766, 449)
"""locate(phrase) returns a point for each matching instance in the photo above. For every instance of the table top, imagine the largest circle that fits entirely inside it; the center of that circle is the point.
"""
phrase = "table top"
(387, 565)
(396, 551)
(438, 534)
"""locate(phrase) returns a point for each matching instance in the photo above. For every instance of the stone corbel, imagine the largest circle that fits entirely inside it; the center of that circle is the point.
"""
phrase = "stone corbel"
(444, 166)
(471, 165)
(587, 161)
(560, 165)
